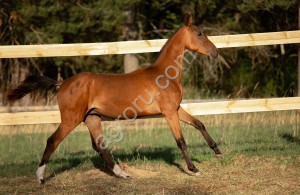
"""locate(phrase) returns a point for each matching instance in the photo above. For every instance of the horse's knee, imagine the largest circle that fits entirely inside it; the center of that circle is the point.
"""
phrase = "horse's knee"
(50, 142)
(199, 125)
(95, 147)
(181, 144)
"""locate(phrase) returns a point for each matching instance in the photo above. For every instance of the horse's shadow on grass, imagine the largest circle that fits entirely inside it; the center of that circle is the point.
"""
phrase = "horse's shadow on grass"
(166, 154)
(68, 163)
(290, 138)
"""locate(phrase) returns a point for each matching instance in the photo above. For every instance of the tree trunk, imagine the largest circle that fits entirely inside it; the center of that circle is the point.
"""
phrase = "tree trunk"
(298, 111)
(299, 52)
(131, 61)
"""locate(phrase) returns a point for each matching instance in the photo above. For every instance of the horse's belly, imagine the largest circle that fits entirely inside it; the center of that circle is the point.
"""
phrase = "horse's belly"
(127, 110)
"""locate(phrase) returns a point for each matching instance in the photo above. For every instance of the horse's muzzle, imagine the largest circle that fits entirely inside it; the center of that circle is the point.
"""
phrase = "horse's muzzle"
(214, 54)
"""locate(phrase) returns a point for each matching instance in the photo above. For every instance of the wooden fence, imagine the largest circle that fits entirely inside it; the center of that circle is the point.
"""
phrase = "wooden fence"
(144, 46)
(204, 108)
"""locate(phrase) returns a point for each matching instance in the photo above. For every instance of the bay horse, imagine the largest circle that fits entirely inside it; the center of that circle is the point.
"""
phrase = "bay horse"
(88, 97)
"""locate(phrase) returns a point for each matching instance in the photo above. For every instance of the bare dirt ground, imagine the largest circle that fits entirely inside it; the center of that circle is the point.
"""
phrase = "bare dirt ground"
(240, 175)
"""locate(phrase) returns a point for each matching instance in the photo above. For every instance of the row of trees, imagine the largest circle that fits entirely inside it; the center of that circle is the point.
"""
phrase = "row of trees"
(239, 72)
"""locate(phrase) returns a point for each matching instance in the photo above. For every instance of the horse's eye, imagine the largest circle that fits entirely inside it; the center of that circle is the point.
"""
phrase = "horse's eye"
(200, 34)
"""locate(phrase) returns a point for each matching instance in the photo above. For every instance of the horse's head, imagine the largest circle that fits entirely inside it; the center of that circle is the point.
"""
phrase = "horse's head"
(197, 41)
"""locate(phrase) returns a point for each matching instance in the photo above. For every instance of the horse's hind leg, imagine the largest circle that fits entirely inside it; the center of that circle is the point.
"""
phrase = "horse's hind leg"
(187, 118)
(53, 141)
(94, 124)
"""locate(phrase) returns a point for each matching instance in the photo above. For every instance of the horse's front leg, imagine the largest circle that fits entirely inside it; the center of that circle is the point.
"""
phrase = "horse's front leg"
(187, 118)
(173, 121)
(94, 125)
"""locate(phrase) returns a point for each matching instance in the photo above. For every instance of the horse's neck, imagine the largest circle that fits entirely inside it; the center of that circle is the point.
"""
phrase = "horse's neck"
(172, 53)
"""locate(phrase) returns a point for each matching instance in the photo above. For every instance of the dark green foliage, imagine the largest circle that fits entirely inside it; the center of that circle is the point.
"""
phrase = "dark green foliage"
(253, 72)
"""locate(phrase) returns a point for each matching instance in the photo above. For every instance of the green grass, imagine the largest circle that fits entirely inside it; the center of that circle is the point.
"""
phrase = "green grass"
(249, 134)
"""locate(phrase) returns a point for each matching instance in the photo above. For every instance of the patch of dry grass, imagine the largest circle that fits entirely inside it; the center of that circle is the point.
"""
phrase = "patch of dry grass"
(240, 175)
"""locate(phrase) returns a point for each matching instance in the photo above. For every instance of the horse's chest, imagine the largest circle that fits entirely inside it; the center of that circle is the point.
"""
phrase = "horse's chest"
(172, 95)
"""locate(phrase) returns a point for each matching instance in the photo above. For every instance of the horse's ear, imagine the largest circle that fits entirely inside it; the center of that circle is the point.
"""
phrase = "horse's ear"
(188, 20)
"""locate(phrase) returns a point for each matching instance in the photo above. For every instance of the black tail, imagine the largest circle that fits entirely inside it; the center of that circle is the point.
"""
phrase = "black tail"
(30, 84)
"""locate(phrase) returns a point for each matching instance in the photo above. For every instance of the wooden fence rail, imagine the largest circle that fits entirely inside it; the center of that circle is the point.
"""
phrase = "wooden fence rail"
(204, 108)
(142, 46)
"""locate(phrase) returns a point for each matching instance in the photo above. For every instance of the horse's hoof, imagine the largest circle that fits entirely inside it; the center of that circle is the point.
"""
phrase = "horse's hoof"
(124, 175)
(40, 174)
(42, 181)
(118, 171)
(198, 174)
(219, 156)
